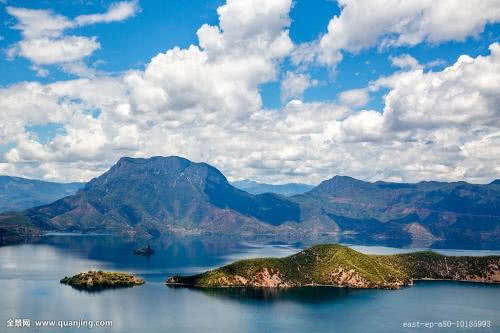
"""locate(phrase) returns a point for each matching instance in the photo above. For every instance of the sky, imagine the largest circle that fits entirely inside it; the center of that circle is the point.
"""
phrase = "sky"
(275, 91)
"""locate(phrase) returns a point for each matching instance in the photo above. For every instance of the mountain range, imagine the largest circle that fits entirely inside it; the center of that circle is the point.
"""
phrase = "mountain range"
(162, 195)
(21, 193)
(288, 190)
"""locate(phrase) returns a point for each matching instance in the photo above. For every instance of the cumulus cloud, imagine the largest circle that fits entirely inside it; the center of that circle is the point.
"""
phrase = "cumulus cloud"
(44, 41)
(354, 97)
(364, 126)
(293, 85)
(46, 51)
(203, 102)
(464, 94)
(436, 63)
(404, 61)
(391, 23)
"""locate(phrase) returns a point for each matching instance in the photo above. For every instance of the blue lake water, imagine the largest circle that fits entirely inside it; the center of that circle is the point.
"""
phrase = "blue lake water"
(30, 289)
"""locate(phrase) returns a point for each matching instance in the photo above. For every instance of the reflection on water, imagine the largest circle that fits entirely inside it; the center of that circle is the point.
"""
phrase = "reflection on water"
(303, 295)
(30, 274)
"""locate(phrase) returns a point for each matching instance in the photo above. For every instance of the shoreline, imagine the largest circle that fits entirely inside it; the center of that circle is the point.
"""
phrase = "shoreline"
(177, 284)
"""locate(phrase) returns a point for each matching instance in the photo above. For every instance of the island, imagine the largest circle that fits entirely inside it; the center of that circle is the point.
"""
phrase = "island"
(98, 280)
(145, 251)
(340, 266)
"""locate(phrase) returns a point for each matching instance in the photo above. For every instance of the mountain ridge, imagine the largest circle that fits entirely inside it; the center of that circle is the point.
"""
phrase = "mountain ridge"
(160, 195)
(288, 189)
(149, 197)
(17, 193)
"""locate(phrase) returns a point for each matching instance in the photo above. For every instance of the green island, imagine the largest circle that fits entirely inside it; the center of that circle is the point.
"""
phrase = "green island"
(341, 266)
(97, 280)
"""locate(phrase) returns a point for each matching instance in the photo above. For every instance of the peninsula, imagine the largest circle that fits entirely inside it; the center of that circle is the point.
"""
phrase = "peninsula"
(97, 280)
(341, 266)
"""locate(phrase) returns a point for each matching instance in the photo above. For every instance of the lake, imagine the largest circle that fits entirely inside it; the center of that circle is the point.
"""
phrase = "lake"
(30, 289)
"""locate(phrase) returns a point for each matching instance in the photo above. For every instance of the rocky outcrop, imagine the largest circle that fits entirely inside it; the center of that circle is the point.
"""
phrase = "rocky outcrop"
(350, 278)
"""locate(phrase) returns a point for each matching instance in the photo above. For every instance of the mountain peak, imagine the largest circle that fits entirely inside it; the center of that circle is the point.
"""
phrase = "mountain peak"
(141, 169)
(153, 159)
(153, 195)
(344, 179)
(174, 162)
(340, 183)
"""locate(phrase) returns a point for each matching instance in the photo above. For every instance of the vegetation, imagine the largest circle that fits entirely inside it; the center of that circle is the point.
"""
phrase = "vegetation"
(431, 265)
(337, 265)
(162, 195)
(96, 280)
(15, 228)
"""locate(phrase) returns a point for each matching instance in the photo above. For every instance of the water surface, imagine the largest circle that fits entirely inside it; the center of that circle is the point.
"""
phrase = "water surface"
(30, 274)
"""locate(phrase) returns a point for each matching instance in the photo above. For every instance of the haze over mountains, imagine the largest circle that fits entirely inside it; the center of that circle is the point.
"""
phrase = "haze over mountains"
(21, 193)
(161, 195)
(18, 193)
(289, 189)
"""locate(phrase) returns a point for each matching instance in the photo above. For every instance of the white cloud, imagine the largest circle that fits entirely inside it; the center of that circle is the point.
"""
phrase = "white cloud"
(354, 97)
(435, 63)
(46, 51)
(116, 12)
(390, 23)
(202, 89)
(80, 69)
(364, 126)
(44, 41)
(293, 85)
(40, 71)
(38, 23)
(464, 94)
(405, 61)
(203, 102)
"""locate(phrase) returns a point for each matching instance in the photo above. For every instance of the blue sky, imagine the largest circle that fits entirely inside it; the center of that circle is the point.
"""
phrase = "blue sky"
(161, 25)
(121, 41)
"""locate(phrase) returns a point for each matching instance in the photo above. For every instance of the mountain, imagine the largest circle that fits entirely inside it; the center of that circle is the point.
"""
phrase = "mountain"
(289, 189)
(158, 195)
(161, 195)
(425, 211)
(21, 193)
(340, 266)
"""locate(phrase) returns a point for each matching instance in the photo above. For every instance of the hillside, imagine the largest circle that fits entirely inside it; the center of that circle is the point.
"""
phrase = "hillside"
(337, 265)
(289, 189)
(161, 195)
(158, 195)
(20, 193)
(422, 211)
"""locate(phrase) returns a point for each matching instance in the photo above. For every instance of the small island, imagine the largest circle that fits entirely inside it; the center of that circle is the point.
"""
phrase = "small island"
(145, 251)
(98, 280)
(340, 266)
